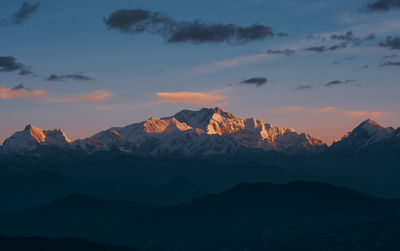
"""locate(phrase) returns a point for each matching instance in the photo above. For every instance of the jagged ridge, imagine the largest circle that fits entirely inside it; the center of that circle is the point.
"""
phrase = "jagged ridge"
(209, 131)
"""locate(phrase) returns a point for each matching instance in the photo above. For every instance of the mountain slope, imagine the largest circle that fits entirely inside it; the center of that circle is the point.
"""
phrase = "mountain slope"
(201, 133)
(31, 138)
(366, 134)
(209, 132)
(206, 132)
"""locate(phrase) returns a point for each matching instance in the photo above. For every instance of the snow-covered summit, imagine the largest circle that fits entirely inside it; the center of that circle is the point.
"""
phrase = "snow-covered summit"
(32, 137)
(367, 133)
(208, 131)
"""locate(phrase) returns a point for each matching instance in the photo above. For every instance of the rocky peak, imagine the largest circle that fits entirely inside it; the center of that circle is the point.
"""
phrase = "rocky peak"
(37, 133)
(155, 125)
(365, 134)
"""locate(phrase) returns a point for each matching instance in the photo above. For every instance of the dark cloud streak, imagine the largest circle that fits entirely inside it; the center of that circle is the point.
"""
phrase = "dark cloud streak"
(383, 5)
(286, 52)
(323, 48)
(22, 15)
(339, 82)
(257, 81)
(19, 87)
(10, 64)
(348, 36)
(391, 63)
(25, 12)
(134, 21)
(391, 43)
(75, 77)
(303, 87)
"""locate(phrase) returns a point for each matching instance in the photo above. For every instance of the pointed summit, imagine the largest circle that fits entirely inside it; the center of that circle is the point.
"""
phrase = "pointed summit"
(32, 137)
(206, 132)
(365, 134)
(370, 125)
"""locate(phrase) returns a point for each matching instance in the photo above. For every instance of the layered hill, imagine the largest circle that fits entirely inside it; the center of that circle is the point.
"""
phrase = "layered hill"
(263, 215)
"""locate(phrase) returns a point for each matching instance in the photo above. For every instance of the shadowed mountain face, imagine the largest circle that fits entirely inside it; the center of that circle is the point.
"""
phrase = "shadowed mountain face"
(18, 191)
(246, 216)
(43, 244)
(367, 133)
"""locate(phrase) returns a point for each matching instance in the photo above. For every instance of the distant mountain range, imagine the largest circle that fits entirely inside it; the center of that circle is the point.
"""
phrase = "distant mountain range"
(262, 216)
(203, 133)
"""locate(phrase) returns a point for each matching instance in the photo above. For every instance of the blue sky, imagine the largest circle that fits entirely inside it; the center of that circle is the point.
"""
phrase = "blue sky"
(128, 70)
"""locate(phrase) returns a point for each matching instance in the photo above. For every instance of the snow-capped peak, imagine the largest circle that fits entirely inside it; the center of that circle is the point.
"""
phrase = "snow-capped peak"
(32, 137)
(370, 126)
(209, 131)
(201, 119)
(155, 125)
(365, 134)
(37, 133)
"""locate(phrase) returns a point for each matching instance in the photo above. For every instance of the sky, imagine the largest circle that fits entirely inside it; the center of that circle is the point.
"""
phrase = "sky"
(320, 67)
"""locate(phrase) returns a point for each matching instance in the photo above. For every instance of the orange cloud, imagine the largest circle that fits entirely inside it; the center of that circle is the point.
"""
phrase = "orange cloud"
(99, 95)
(323, 110)
(11, 93)
(335, 110)
(292, 109)
(366, 114)
(197, 98)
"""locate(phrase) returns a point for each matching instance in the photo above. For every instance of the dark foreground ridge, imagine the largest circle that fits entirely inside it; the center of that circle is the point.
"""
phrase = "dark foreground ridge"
(62, 244)
(263, 216)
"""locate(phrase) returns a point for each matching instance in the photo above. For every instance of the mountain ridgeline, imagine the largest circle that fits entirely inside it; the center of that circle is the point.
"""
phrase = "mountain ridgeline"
(261, 216)
(207, 132)
(209, 150)
(195, 134)
(200, 180)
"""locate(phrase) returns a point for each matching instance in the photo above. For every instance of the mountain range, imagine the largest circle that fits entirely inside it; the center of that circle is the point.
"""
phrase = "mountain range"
(201, 180)
(204, 133)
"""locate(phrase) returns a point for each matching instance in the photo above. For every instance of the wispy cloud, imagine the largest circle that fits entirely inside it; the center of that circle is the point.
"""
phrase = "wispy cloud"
(98, 95)
(365, 114)
(335, 110)
(234, 62)
(362, 33)
(20, 92)
(75, 77)
(286, 52)
(339, 82)
(304, 87)
(197, 98)
(22, 15)
(292, 109)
